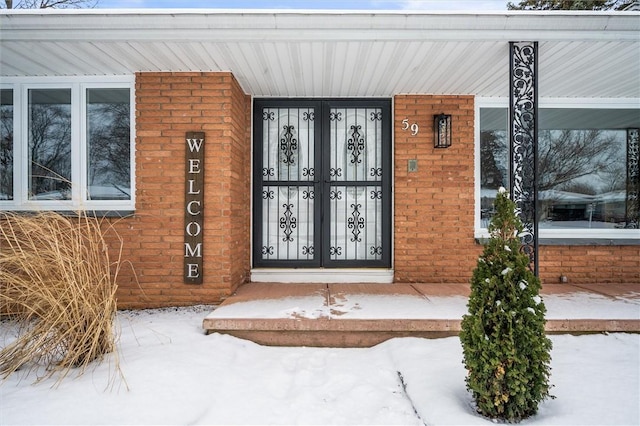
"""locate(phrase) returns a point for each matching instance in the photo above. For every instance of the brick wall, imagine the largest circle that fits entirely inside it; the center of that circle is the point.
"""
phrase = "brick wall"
(167, 106)
(239, 241)
(590, 264)
(434, 206)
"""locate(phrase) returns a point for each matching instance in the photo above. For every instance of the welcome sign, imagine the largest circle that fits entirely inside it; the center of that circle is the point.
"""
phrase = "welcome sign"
(193, 207)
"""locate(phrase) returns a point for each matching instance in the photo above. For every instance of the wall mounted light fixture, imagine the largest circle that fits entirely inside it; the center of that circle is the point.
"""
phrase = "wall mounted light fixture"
(442, 130)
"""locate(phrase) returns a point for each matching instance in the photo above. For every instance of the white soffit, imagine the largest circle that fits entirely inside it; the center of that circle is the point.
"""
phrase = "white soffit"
(320, 53)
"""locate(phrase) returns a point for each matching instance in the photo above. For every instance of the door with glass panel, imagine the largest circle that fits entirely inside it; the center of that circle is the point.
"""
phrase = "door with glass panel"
(322, 183)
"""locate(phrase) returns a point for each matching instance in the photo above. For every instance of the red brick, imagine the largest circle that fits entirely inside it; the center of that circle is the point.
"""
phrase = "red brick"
(167, 106)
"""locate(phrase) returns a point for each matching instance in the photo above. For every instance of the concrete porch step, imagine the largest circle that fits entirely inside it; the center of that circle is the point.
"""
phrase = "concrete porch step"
(361, 315)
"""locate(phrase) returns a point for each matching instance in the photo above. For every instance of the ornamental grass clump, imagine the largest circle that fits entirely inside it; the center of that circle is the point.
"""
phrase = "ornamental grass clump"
(58, 284)
(505, 349)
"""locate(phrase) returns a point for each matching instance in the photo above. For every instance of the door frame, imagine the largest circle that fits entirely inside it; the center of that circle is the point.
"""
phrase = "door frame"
(321, 208)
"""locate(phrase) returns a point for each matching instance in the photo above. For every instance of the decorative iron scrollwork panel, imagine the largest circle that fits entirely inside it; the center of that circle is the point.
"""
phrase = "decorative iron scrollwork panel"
(288, 144)
(356, 144)
(523, 141)
(356, 222)
(632, 208)
(287, 226)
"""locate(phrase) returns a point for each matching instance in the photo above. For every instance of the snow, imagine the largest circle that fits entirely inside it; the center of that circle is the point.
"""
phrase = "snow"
(177, 375)
(578, 305)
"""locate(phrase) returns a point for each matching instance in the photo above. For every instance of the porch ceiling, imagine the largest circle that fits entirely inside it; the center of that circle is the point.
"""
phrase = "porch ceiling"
(320, 53)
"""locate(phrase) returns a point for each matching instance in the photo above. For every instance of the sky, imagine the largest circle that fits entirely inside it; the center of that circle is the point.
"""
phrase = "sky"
(485, 5)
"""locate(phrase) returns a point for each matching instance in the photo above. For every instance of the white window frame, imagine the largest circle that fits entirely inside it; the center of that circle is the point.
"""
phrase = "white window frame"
(78, 86)
(575, 103)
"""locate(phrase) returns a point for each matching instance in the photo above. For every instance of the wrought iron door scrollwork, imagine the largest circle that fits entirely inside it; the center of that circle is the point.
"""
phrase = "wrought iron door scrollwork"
(288, 144)
(288, 222)
(321, 193)
(355, 222)
(268, 115)
(268, 171)
(335, 251)
(355, 144)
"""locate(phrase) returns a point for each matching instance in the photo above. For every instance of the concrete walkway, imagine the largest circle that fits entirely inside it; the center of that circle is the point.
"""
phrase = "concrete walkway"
(356, 315)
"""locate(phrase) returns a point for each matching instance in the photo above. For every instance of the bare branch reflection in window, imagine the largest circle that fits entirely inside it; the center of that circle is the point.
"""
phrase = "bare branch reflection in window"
(6, 144)
(582, 165)
(50, 144)
(108, 144)
(582, 180)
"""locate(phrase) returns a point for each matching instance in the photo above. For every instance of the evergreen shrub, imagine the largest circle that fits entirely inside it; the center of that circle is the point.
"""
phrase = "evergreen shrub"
(505, 349)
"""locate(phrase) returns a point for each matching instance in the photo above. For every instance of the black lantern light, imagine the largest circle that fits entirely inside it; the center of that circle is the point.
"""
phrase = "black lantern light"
(442, 130)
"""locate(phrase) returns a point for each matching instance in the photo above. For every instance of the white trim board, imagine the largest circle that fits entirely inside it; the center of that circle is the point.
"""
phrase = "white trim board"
(322, 275)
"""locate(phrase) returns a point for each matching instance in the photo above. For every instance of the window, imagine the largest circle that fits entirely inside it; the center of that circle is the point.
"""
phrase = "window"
(66, 145)
(49, 148)
(108, 144)
(6, 144)
(584, 169)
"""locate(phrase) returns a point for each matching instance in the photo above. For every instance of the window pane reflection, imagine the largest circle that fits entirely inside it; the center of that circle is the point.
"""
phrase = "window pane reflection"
(6, 144)
(494, 158)
(582, 165)
(50, 144)
(108, 144)
(583, 178)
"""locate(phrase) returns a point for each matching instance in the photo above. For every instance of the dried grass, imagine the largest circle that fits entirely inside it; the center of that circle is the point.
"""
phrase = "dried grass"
(58, 283)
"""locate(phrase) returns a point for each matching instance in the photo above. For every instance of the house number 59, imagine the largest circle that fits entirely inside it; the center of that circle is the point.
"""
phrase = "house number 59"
(413, 126)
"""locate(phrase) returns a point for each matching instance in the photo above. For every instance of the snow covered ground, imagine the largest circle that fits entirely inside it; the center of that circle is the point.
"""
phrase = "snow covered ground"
(177, 375)
(575, 305)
